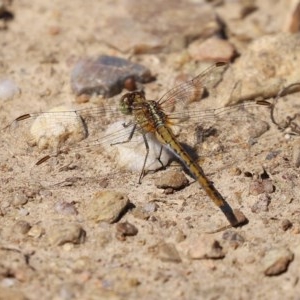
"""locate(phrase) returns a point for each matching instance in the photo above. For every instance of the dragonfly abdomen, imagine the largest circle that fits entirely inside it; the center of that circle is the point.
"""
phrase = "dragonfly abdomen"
(166, 136)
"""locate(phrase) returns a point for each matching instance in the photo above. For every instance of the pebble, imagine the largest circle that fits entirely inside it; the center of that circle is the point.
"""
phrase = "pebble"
(261, 205)
(268, 186)
(257, 129)
(8, 89)
(62, 233)
(22, 227)
(235, 171)
(273, 154)
(258, 187)
(36, 231)
(173, 179)
(106, 206)
(205, 246)
(212, 49)
(139, 213)
(66, 208)
(23, 212)
(19, 199)
(106, 75)
(296, 153)
(276, 261)
(125, 229)
(235, 239)
(144, 212)
(150, 207)
(52, 132)
(286, 224)
(8, 282)
(167, 252)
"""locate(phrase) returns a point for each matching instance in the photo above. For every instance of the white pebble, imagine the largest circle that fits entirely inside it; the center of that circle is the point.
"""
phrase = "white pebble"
(8, 89)
(8, 282)
(131, 155)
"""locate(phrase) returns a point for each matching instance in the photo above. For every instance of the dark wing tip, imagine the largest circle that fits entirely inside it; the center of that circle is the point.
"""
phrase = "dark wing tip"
(42, 160)
(23, 117)
(221, 63)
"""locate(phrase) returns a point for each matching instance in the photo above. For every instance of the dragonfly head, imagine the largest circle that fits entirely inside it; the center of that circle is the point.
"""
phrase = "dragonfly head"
(128, 101)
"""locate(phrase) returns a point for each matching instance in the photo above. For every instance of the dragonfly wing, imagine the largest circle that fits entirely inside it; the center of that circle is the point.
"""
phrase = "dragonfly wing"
(58, 128)
(178, 97)
(35, 140)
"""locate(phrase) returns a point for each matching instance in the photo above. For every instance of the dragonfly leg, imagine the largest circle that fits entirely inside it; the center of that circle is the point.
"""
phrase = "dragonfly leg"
(159, 156)
(146, 145)
(145, 160)
(129, 137)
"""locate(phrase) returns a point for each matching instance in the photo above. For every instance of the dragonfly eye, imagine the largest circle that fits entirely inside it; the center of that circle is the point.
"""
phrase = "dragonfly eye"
(126, 104)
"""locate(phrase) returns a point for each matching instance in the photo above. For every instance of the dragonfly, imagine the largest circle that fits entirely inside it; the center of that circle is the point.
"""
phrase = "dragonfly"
(155, 117)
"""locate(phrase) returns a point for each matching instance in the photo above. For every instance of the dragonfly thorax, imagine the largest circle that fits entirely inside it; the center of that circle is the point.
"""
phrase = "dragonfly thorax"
(147, 113)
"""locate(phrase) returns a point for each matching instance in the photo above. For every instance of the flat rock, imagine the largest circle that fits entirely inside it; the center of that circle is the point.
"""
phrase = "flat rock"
(106, 75)
(213, 49)
(268, 65)
(106, 206)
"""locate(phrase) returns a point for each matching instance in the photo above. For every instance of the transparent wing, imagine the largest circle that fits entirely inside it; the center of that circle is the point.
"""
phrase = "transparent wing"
(242, 112)
(180, 96)
(59, 131)
(61, 128)
(224, 137)
(39, 141)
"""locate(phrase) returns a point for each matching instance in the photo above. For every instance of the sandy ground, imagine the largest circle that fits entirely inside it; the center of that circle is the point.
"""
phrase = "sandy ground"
(53, 243)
